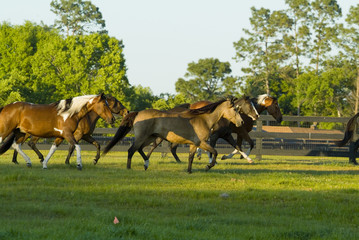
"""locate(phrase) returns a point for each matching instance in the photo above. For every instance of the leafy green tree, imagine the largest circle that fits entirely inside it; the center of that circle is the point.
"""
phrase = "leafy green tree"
(77, 17)
(350, 43)
(169, 101)
(139, 98)
(322, 20)
(207, 79)
(262, 49)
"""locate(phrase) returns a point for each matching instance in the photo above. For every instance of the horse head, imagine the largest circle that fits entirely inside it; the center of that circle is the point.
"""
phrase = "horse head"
(271, 105)
(245, 106)
(116, 106)
(232, 114)
(100, 106)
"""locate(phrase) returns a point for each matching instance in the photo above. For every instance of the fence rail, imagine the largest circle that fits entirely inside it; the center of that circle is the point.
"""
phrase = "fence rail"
(308, 143)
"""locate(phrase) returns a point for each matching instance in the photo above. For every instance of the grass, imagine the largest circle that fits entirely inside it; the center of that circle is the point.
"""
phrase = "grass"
(276, 198)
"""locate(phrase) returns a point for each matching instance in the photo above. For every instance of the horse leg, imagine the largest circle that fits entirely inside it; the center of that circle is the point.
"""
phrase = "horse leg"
(91, 140)
(53, 148)
(199, 153)
(212, 142)
(145, 158)
(17, 148)
(32, 144)
(173, 149)
(154, 146)
(19, 140)
(352, 158)
(192, 152)
(14, 157)
(71, 150)
(130, 152)
(205, 146)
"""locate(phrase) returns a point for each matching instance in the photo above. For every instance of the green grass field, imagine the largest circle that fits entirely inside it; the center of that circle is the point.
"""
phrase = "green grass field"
(276, 198)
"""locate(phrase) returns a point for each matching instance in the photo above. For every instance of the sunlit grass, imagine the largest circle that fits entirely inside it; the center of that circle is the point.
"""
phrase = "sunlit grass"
(276, 198)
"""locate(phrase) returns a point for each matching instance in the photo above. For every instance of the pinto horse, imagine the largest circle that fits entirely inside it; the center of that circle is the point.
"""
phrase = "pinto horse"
(191, 127)
(59, 120)
(84, 131)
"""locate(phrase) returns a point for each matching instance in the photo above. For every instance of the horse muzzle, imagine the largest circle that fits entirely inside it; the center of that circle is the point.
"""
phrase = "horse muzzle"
(111, 120)
(255, 117)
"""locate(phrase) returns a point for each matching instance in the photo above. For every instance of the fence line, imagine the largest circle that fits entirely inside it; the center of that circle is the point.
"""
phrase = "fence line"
(308, 143)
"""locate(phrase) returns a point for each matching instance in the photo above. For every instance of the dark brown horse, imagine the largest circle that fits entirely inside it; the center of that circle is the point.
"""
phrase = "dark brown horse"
(224, 129)
(348, 135)
(261, 103)
(191, 127)
(84, 131)
(58, 120)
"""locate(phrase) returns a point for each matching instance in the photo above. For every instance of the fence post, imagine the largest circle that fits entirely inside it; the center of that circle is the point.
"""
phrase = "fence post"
(259, 141)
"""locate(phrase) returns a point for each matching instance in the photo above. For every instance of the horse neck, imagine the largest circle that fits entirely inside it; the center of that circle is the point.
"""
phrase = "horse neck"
(93, 117)
(215, 116)
(82, 113)
(259, 108)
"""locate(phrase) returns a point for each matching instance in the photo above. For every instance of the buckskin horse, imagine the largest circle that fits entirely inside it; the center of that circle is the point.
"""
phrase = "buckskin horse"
(224, 129)
(59, 120)
(83, 131)
(191, 127)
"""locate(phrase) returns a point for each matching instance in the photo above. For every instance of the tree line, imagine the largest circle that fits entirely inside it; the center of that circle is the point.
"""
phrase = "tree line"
(301, 54)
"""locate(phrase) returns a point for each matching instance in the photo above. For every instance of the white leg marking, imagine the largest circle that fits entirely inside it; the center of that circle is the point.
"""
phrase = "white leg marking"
(51, 152)
(17, 147)
(147, 163)
(78, 154)
(0, 139)
(230, 155)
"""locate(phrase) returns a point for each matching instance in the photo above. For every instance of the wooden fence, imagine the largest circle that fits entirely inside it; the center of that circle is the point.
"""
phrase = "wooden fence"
(309, 142)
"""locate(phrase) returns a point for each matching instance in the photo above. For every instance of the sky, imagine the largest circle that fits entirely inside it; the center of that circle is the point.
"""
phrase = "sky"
(162, 37)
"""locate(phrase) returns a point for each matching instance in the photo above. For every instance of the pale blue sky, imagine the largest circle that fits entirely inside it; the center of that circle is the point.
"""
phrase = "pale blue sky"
(161, 36)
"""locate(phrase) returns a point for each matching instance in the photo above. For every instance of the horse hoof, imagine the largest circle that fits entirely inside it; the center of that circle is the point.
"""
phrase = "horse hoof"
(67, 162)
(94, 162)
(41, 160)
(45, 168)
(29, 165)
(15, 162)
(224, 157)
(208, 167)
(79, 167)
(145, 167)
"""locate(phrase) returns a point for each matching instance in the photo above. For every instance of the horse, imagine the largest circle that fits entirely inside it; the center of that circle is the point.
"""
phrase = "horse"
(348, 134)
(261, 103)
(223, 122)
(83, 131)
(191, 127)
(60, 120)
(224, 129)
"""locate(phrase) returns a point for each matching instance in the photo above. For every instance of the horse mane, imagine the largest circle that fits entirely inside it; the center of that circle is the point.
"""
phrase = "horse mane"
(68, 107)
(1, 109)
(208, 108)
(262, 97)
(184, 105)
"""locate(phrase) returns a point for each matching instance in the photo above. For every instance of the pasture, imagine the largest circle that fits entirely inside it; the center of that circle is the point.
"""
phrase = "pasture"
(276, 198)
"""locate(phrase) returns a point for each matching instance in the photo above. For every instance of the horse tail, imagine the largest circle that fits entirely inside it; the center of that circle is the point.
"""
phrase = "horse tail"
(7, 144)
(125, 127)
(349, 130)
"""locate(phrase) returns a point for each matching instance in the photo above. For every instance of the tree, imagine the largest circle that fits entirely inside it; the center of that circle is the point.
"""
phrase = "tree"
(208, 79)
(350, 44)
(322, 20)
(263, 48)
(77, 17)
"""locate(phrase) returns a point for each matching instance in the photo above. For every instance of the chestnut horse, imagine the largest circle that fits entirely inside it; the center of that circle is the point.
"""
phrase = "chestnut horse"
(84, 131)
(191, 127)
(59, 119)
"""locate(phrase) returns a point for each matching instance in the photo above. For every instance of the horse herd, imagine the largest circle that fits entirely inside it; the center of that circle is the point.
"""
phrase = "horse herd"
(75, 119)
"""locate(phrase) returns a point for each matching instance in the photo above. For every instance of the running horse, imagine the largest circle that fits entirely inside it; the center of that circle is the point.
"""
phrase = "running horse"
(60, 120)
(224, 129)
(191, 127)
(84, 131)
(348, 136)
